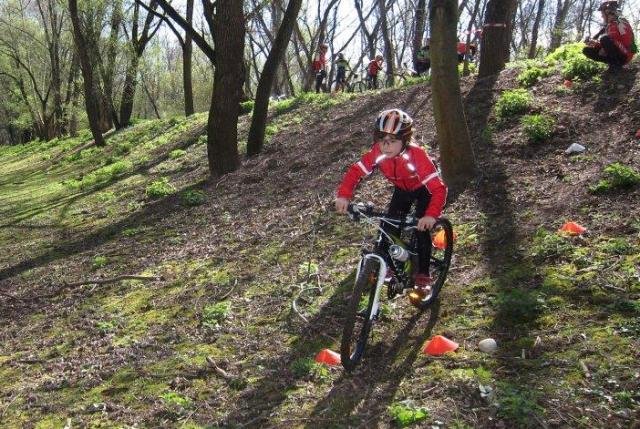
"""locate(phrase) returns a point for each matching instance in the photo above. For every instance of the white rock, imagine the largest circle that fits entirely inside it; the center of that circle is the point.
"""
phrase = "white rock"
(488, 345)
(575, 148)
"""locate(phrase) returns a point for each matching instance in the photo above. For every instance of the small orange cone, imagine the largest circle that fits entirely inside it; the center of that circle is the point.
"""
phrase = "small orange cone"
(440, 239)
(568, 83)
(439, 345)
(328, 357)
(573, 228)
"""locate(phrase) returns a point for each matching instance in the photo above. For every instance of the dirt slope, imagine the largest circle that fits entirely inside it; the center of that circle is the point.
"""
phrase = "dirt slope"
(215, 341)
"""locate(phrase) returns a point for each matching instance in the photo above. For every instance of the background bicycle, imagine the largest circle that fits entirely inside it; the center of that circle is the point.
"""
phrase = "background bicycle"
(395, 268)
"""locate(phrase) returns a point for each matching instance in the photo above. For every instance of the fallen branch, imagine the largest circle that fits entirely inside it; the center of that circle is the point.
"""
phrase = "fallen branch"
(221, 372)
(111, 280)
(8, 295)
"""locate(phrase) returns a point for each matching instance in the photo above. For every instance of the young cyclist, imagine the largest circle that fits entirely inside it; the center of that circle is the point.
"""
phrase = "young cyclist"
(617, 46)
(416, 180)
(320, 65)
(423, 60)
(341, 75)
(375, 65)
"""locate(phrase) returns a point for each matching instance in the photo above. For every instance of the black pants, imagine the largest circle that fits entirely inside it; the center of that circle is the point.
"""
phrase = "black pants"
(400, 204)
(423, 67)
(373, 79)
(612, 55)
(319, 79)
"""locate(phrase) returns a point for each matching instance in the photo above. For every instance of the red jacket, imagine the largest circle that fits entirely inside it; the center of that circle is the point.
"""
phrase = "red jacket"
(374, 67)
(622, 35)
(319, 62)
(410, 170)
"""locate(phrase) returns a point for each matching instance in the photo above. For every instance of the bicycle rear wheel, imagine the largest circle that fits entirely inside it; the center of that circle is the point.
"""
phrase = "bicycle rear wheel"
(358, 86)
(358, 322)
(440, 261)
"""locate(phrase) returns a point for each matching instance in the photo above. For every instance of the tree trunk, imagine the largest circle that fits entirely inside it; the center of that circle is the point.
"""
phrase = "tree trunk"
(187, 55)
(496, 35)
(128, 92)
(259, 120)
(534, 32)
(458, 165)
(91, 96)
(388, 44)
(558, 27)
(420, 18)
(222, 128)
(465, 67)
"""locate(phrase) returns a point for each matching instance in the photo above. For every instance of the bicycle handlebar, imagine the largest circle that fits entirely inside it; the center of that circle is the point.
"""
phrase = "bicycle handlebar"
(357, 210)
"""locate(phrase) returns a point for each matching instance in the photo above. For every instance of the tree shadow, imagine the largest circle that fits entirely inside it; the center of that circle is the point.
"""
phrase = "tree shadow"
(615, 86)
(261, 401)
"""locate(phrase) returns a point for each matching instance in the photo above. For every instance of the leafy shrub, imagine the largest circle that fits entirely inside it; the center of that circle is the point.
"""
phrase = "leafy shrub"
(549, 245)
(565, 52)
(99, 262)
(415, 80)
(617, 176)
(512, 102)
(518, 405)
(532, 75)
(102, 175)
(304, 367)
(193, 197)
(177, 153)
(406, 414)
(214, 314)
(160, 188)
(246, 107)
(285, 105)
(473, 68)
(538, 128)
(581, 68)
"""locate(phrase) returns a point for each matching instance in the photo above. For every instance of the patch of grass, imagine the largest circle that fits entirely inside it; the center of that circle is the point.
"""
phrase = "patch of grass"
(549, 245)
(625, 306)
(532, 75)
(415, 80)
(581, 68)
(99, 262)
(565, 52)
(160, 188)
(406, 413)
(512, 102)
(214, 314)
(245, 107)
(284, 106)
(307, 367)
(518, 307)
(518, 406)
(538, 128)
(193, 197)
(177, 153)
(616, 176)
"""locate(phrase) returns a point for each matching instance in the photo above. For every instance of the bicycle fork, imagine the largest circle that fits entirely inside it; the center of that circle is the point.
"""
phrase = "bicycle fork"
(382, 273)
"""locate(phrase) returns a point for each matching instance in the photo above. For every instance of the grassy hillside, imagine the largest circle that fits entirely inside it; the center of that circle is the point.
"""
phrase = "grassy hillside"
(209, 335)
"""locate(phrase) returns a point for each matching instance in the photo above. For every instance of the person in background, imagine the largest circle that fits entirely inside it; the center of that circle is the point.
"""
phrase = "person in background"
(320, 65)
(617, 46)
(423, 60)
(341, 75)
(375, 65)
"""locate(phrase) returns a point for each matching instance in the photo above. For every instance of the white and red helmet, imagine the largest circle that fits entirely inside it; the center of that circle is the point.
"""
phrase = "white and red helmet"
(395, 122)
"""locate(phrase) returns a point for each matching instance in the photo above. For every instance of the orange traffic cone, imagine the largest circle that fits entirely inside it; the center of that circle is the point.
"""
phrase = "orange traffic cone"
(573, 228)
(439, 345)
(568, 83)
(439, 240)
(328, 357)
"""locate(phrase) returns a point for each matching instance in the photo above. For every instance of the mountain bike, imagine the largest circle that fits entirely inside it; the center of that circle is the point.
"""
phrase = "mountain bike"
(402, 75)
(350, 84)
(391, 261)
(361, 85)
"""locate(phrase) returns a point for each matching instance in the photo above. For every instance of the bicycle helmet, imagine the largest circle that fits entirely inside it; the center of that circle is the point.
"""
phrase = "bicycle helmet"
(324, 46)
(608, 6)
(378, 57)
(396, 122)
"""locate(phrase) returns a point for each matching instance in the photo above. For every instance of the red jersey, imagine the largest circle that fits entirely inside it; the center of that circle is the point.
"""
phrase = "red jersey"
(320, 62)
(461, 47)
(374, 67)
(619, 30)
(409, 170)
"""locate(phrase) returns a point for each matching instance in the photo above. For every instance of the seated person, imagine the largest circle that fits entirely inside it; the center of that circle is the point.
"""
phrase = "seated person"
(616, 47)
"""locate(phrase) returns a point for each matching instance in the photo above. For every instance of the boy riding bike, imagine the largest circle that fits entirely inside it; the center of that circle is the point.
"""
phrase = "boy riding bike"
(416, 180)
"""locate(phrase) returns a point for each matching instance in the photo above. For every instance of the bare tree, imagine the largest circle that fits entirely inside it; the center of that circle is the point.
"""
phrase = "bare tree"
(259, 119)
(496, 35)
(557, 33)
(534, 32)
(91, 94)
(458, 163)
(420, 24)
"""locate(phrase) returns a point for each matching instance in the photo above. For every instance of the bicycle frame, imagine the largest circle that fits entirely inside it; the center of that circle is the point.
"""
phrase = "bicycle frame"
(382, 274)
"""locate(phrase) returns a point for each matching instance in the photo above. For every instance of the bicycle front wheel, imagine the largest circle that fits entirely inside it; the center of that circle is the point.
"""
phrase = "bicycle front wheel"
(440, 260)
(358, 321)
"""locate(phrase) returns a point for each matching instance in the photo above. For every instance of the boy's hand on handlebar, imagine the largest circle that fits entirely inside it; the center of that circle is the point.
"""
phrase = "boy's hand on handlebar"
(341, 205)
(425, 223)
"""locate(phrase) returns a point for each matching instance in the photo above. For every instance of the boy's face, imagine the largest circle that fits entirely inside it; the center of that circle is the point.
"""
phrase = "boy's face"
(390, 145)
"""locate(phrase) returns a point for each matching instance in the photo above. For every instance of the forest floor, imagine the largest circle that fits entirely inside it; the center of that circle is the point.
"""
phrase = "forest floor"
(208, 335)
